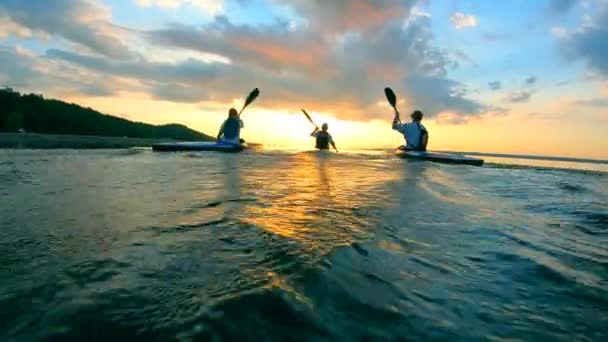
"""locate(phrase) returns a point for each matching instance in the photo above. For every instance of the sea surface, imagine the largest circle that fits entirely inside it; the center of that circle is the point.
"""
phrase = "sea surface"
(112, 245)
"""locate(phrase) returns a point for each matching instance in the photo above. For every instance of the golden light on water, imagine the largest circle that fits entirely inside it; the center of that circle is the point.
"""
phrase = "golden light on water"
(320, 190)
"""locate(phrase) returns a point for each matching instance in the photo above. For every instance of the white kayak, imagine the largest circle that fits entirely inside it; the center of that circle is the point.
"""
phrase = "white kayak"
(198, 146)
(439, 157)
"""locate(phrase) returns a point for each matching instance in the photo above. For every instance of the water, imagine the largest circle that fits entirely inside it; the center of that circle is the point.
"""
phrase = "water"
(270, 245)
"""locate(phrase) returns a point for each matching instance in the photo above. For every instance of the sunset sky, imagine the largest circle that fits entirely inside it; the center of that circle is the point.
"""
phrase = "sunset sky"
(515, 76)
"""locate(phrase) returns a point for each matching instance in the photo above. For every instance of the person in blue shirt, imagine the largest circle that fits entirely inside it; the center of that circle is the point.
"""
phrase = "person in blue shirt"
(230, 132)
(415, 134)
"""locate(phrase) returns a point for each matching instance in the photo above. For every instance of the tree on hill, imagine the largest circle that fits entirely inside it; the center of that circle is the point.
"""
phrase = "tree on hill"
(34, 113)
(13, 122)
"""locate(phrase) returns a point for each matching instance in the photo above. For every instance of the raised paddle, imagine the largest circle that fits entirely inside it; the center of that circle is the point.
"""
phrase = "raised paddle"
(309, 119)
(252, 96)
(392, 99)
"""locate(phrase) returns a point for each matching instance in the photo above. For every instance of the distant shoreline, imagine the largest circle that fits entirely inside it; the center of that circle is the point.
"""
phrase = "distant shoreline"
(535, 157)
(74, 141)
(71, 141)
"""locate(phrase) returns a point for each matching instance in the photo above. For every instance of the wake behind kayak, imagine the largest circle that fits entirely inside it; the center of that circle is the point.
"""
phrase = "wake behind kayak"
(197, 146)
(439, 157)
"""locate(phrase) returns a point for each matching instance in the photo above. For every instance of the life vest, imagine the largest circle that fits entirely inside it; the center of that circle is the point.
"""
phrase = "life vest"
(232, 127)
(322, 140)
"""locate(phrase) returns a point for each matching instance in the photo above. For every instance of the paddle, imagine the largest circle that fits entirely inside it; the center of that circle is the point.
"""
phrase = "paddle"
(392, 99)
(252, 96)
(309, 119)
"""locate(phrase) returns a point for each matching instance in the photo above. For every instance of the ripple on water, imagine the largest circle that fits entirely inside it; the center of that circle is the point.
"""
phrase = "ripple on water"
(277, 246)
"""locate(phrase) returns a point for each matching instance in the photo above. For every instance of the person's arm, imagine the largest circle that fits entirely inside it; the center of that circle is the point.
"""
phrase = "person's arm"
(219, 134)
(241, 123)
(396, 122)
(314, 133)
(399, 127)
(333, 144)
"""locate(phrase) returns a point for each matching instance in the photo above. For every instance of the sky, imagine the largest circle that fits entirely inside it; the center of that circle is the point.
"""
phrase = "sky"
(518, 76)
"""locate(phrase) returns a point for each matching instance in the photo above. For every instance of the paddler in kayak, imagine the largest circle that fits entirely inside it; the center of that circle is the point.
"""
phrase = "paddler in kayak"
(323, 138)
(230, 132)
(415, 134)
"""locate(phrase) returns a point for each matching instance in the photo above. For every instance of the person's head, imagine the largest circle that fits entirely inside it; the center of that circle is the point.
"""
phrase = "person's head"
(324, 127)
(417, 115)
(232, 113)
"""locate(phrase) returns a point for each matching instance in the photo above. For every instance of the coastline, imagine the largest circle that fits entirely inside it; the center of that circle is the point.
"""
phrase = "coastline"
(532, 156)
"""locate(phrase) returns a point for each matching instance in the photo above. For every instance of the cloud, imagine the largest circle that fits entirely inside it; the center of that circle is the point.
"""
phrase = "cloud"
(436, 95)
(190, 71)
(588, 43)
(595, 102)
(495, 85)
(8, 27)
(338, 17)
(460, 55)
(209, 7)
(333, 64)
(559, 32)
(417, 12)
(518, 96)
(521, 95)
(86, 23)
(461, 20)
(21, 51)
(36, 72)
(451, 118)
(16, 69)
(530, 81)
(98, 89)
(345, 76)
(270, 46)
(561, 6)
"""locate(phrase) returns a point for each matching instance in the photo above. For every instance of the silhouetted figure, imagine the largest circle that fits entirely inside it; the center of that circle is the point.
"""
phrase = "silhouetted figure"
(323, 138)
(230, 132)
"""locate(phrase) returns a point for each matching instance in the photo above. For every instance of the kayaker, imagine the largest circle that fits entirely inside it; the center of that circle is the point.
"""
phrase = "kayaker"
(230, 132)
(323, 138)
(415, 134)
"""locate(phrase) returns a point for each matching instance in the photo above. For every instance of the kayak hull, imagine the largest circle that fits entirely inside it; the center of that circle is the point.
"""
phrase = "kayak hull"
(439, 157)
(197, 146)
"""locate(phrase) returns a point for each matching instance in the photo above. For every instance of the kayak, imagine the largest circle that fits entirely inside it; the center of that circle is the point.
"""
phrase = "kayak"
(439, 157)
(197, 146)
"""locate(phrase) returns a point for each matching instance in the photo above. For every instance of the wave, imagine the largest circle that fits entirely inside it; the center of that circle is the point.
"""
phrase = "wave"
(534, 157)
(496, 165)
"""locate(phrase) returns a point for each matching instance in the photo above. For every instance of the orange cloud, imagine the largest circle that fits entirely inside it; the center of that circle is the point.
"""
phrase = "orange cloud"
(305, 56)
(339, 17)
(363, 15)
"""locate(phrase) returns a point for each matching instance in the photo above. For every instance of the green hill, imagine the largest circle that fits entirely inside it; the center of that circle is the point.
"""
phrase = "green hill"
(33, 113)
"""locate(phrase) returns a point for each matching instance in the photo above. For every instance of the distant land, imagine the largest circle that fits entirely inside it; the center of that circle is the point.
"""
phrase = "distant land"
(531, 156)
(70, 141)
(56, 123)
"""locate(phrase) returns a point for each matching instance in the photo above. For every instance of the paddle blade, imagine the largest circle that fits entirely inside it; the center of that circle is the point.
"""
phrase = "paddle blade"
(252, 96)
(390, 96)
(307, 116)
